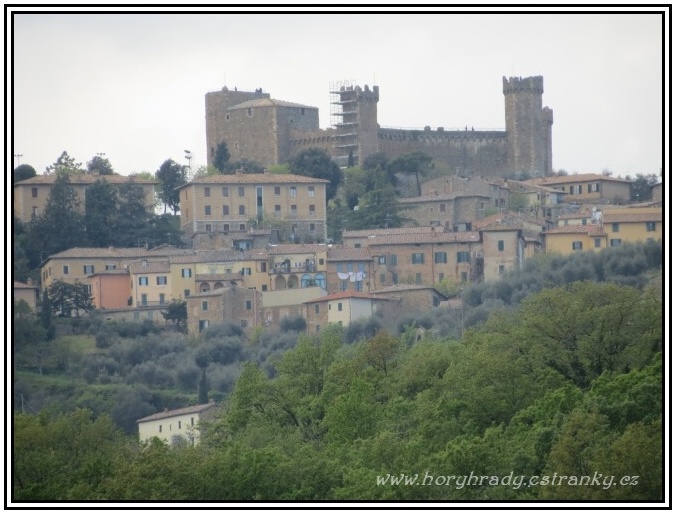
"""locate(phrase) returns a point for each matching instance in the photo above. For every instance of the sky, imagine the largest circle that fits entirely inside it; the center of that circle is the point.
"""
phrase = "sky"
(132, 86)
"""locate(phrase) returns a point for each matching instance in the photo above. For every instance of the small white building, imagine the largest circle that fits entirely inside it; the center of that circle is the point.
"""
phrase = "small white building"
(174, 426)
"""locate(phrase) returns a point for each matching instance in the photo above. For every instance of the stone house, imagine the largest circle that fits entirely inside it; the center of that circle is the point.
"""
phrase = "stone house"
(453, 211)
(588, 187)
(176, 426)
(349, 269)
(231, 304)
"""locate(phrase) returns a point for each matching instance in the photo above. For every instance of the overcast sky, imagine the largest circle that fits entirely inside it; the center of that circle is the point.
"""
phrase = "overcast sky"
(132, 86)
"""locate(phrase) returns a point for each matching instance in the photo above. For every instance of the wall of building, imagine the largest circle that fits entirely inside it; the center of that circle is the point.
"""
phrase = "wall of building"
(111, 291)
(498, 261)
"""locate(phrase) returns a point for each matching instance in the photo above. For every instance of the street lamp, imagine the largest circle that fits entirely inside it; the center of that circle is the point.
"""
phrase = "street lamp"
(18, 158)
(188, 155)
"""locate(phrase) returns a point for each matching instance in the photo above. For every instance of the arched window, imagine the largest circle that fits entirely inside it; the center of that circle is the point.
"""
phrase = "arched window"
(320, 280)
(306, 280)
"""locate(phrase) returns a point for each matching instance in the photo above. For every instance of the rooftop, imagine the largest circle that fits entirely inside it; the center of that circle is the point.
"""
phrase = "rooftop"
(194, 409)
(268, 102)
(345, 295)
(254, 178)
(638, 217)
(348, 254)
(429, 238)
(592, 230)
(85, 179)
(440, 197)
(387, 231)
(572, 179)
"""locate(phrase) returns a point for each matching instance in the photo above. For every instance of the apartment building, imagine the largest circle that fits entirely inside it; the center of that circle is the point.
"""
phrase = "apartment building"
(342, 308)
(294, 204)
(567, 239)
(629, 226)
(349, 269)
(150, 283)
(30, 195)
(231, 304)
(588, 187)
(293, 266)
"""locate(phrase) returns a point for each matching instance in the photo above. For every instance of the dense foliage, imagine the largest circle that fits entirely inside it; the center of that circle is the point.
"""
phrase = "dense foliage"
(567, 379)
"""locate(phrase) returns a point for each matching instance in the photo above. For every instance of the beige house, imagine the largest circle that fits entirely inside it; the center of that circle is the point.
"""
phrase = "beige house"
(231, 304)
(26, 292)
(568, 239)
(150, 283)
(453, 211)
(496, 191)
(588, 187)
(277, 305)
(294, 204)
(176, 426)
(629, 226)
(30, 195)
(349, 269)
(341, 308)
(293, 266)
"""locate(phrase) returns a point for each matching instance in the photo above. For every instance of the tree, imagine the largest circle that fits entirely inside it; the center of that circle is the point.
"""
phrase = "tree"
(134, 222)
(100, 165)
(203, 392)
(641, 187)
(23, 172)
(246, 166)
(221, 157)
(171, 175)
(415, 163)
(65, 297)
(379, 207)
(517, 201)
(316, 163)
(101, 214)
(65, 165)
(46, 314)
(177, 313)
(60, 226)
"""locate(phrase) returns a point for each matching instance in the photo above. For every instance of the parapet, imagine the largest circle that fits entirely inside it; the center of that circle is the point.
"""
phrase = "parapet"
(527, 84)
(547, 115)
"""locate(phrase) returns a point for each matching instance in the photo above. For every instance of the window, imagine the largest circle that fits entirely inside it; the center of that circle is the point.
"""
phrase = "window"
(240, 191)
(264, 287)
(418, 278)
(321, 262)
(616, 227)
(242, 210)
(294, 210)
(186, 273)
(66, 270)
(226, 191)
(249, 112)
(350, 267)
(207, 227)
(442, 207)
(597, 242)
(264, 267)
(576, 190)
(278, 190)
(382, 259)
(312, 227)
(357, 245)
(382, 278)
(317, 328)
(88, 269)
(144, 299)
(393, 260)
(244, 323)
(463, 276)
(440, 258)
(577, 245)
(395, 278)
(34, 192)
(311, 191)
(248, 305)
(441, 276)
(34, 211)
(226, 227)
(501, 269)
(161, 280)
(143, 281)
(226, 210)
(343, 286)
(186, 293)
(463, 257)
(593, 188)
(179, 425)
(418, 258)
(359, 286)
(111, 266)
(292, 191)
(242, 227)
(316, 308)
(615, 242)
(204, 324)
(302, 111)
(312, 210)
(205, 305)
(207, 191)
(160, 429)
(161, 298)
(278, 210)
(340, 306)
(650, 226)
(207, 210)
(246, 271)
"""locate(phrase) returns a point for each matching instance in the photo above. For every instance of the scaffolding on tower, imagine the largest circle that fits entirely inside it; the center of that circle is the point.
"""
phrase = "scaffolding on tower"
(344, 118)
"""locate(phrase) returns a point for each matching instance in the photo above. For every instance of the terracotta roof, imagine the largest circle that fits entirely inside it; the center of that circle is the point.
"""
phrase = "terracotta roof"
(344, 295)
(404, 287)
(84, 179)
(440, 198)
(268, 102)
(569, 179)
(150, 267)
(632, 217)
(386, 231)
(21, 285)
(592, 230)
(111, 272)
(440, 237)
(293, 249)
(506, 219)
(194, 409)
(103, 252)
(348, 254)
(254, 178)
(521, 186)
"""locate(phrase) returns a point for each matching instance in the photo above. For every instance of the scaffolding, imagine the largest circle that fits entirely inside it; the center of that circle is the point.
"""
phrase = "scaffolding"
(344, 118)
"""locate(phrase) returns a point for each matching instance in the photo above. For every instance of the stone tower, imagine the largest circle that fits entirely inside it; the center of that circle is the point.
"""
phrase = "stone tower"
(354, 114)
(528, 126)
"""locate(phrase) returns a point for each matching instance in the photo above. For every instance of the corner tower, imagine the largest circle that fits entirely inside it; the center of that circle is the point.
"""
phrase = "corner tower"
(354, 114)
(528, 126)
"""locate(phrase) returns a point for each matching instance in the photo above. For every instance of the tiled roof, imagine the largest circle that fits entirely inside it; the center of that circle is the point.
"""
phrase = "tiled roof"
(431, 238)
(507, 219)
(592, 230)
(403, 287)
(348, 254)
(194, 409)
(111, 272)
(254, 178)
(293, 249)
(571, 179)
(344, 295)
(84, 179)
(21, 285)
(523, 186)
(638, 217)
(268, 102)
(75, 253)
(386, 231)
(439, 198)
(150, 267)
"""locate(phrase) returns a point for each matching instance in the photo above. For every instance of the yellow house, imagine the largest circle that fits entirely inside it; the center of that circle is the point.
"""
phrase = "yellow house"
(297, 266)
(569, 239)
(342, 308)
(175, 426)
(30, 195)
(629, 226)
(150, 283)
(235, 203)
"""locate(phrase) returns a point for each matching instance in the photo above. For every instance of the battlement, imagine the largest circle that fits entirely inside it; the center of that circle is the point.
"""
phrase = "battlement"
(519, 84)
(360, 94)
(547, 115)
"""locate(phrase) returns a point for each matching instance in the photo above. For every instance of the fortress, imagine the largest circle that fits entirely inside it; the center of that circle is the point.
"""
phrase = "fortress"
(270, 131)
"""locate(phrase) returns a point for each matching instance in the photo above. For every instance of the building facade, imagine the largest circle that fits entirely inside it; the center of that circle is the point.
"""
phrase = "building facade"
(176, 426)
